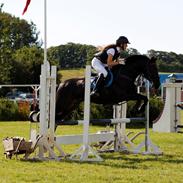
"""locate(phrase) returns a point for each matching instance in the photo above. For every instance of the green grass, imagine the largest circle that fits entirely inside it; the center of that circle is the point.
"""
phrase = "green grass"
(71, 73)
(116, 167)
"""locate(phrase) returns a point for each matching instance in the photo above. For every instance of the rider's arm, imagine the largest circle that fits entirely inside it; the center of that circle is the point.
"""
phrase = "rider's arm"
(110, 62)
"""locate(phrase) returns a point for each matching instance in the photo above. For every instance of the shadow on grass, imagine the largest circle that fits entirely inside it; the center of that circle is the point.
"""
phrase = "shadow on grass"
(138, 159)
(129, 161)
(31, 160)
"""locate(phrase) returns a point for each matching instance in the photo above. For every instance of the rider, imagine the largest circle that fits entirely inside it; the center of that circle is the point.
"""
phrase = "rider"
(108, 57)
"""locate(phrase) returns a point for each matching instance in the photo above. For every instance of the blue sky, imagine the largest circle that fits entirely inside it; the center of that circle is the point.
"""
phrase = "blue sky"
(149, 24)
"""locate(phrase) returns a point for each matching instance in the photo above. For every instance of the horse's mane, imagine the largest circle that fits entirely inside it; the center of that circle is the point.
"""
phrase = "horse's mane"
(136, 58)
(131, 62)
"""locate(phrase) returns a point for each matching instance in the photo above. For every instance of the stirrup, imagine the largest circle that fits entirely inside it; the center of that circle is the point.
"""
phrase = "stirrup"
(93, 92)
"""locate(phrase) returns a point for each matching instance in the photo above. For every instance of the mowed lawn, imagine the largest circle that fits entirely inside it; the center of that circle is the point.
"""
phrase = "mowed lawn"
(71, 73)
(116, 167)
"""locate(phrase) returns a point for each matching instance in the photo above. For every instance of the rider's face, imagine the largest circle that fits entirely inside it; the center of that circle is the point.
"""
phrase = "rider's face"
(124, 46)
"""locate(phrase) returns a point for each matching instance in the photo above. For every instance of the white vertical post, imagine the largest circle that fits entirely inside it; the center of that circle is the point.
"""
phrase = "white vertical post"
(52, 99)
(44, 101)
(44, 106)
(52, 112)
(147, 119)
(87, 104)
(120, 135)
(150, 148)
(86, 112)
(45, 32)
(123, 115)
(82, 154)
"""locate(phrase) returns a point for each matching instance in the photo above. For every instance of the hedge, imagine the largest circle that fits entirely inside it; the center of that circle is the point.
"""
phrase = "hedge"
(13, 111)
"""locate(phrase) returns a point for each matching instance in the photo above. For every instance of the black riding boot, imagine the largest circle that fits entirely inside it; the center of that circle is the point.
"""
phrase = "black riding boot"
(99, 83)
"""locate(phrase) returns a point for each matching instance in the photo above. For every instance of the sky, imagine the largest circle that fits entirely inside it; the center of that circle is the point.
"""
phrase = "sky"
(148, 24)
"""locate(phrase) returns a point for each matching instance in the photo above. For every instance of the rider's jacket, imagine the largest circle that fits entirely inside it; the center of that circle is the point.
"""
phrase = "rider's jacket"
(102, 56)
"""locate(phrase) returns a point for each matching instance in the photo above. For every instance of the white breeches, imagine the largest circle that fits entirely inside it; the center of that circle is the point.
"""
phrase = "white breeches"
(99, 66)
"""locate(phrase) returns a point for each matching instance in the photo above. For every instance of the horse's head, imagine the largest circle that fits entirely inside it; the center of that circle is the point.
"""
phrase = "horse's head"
(136, 65)
(151, 72)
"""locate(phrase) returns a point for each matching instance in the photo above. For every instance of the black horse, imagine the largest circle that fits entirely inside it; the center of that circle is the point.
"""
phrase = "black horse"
(71, 92)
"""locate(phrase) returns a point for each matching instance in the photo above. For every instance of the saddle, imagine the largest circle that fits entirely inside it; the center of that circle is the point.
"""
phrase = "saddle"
(108, 81)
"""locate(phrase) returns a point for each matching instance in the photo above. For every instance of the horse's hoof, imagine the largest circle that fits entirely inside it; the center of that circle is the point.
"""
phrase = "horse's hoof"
(33, 116)
(94, 94)
(141, 109)
(59, 122)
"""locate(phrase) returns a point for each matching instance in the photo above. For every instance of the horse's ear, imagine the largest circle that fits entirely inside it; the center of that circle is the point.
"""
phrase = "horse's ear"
(153, 59)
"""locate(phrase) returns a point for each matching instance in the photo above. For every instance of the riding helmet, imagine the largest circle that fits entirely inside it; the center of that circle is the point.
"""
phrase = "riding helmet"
(122, 40)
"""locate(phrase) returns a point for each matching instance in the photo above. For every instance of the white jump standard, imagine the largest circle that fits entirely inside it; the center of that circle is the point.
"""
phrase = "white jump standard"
(150, 148)
(170, 119)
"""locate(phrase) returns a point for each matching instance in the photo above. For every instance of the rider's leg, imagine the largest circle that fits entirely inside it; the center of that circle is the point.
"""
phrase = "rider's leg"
(99, 83)
(100, 68)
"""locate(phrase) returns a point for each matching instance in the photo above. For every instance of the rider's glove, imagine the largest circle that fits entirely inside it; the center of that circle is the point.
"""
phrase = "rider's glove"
(121, 61)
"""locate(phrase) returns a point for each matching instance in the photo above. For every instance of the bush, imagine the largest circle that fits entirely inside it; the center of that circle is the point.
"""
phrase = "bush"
(9, 111)
(98, 111)
(155, 108)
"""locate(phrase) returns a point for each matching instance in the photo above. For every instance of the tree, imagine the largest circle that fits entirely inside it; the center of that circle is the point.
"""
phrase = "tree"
(28, 65)
(133, 51)
(15, 34)
(1, 7)
(72, 55)
(167, 61)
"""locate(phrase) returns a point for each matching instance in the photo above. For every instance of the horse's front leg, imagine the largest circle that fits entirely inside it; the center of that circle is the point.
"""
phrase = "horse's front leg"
(137, 105)
(141, 102)
(143, 105)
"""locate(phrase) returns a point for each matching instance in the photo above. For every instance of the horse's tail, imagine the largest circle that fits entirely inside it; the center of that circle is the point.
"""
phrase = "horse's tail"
(69, 93)
(61, 99)
(60, 86)
(62, 93)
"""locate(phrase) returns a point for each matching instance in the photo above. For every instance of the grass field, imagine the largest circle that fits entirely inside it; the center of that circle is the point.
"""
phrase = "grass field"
(116, 167)
(71, 73)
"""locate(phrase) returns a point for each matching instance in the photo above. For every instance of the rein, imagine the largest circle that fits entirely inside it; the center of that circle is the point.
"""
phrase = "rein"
(126, 77)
